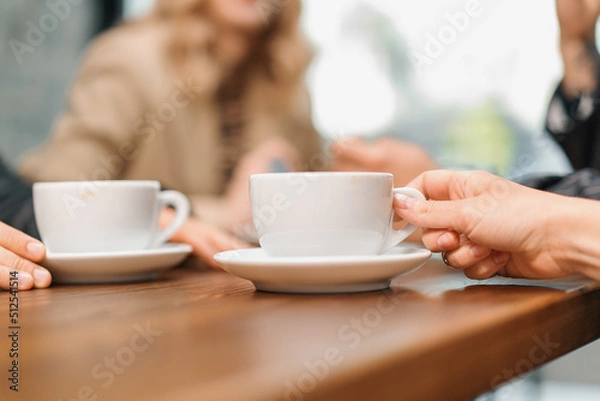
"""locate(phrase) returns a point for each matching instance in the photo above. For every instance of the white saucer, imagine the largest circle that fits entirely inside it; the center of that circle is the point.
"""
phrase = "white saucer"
(322, 274)
(114, 267)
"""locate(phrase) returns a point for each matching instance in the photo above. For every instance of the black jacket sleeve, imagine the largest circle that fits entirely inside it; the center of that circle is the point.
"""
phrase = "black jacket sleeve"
(575, 126)
(16, 202)
(584, 183)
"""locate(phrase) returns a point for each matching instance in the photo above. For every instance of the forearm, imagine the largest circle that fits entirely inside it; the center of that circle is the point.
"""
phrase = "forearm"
(577, 18)
(574, 232)
(210, 209)
(581, 64)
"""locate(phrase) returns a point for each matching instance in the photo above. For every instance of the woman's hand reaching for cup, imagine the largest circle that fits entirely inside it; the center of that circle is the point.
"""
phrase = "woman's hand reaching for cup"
(21, 254)
(231, 212)
(487, 225)
(274, 155)
(205, 239)
(386, 155)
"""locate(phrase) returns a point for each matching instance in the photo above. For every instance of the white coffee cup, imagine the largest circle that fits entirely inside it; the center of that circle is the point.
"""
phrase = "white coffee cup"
(326, 214)
(105, 216)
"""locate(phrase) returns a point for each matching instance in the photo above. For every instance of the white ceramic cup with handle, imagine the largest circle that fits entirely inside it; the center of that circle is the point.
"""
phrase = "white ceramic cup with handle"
(105, 216)
(326, 213)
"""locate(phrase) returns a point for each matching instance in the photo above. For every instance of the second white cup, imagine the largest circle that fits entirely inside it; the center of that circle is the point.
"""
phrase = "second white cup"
(326, 214)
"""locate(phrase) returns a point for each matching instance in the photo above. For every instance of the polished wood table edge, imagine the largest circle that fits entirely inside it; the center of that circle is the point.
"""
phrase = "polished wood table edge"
(494, 363)
(533, 333)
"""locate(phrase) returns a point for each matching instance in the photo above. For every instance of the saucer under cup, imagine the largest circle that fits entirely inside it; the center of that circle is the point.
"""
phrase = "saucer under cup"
(114, 267)
(324, 274)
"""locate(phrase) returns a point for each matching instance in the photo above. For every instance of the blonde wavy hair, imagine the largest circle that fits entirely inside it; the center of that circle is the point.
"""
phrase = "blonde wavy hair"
(281, 56)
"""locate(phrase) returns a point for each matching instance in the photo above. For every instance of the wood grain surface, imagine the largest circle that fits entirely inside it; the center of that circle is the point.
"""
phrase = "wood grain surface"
(206, 335)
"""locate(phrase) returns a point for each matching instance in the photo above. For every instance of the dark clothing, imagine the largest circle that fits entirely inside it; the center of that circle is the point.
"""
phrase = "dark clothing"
(16, 202)
(109, 13)
(575, 126)
(584, 183)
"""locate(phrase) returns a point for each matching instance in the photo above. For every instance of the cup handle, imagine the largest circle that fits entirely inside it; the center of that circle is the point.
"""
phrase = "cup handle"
(394, 237)
(181, 204)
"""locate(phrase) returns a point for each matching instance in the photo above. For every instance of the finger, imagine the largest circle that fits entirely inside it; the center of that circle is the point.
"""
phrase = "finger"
(502, 259)
(21, 244)
(456, 215)
(198, 240)
(42, 277)
(345, 165)
(437, 184)
(24, 279)
(453, 185)
(467, 255)
(219, 241)
(225, 242)
(355, 151)
(502, 272)
(339, 145)
(205, 251)
(228, 243)
(440, 240)
(486, 268)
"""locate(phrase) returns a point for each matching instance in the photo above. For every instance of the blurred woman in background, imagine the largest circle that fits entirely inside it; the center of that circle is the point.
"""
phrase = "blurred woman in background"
(198, 95)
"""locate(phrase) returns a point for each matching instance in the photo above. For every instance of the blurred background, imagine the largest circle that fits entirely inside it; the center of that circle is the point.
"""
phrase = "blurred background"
(473, 92)
(475, 96)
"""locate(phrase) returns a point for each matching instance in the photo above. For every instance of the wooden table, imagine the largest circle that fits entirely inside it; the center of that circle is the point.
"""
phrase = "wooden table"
(199, 335)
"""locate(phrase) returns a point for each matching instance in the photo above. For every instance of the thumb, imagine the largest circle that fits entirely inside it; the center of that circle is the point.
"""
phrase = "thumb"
(457, 215)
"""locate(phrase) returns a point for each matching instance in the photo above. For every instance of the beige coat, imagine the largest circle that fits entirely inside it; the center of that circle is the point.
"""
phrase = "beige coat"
(130, 116)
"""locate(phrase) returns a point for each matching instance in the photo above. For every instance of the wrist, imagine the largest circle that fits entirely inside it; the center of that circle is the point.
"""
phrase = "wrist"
(572, 230)
(581, 65)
